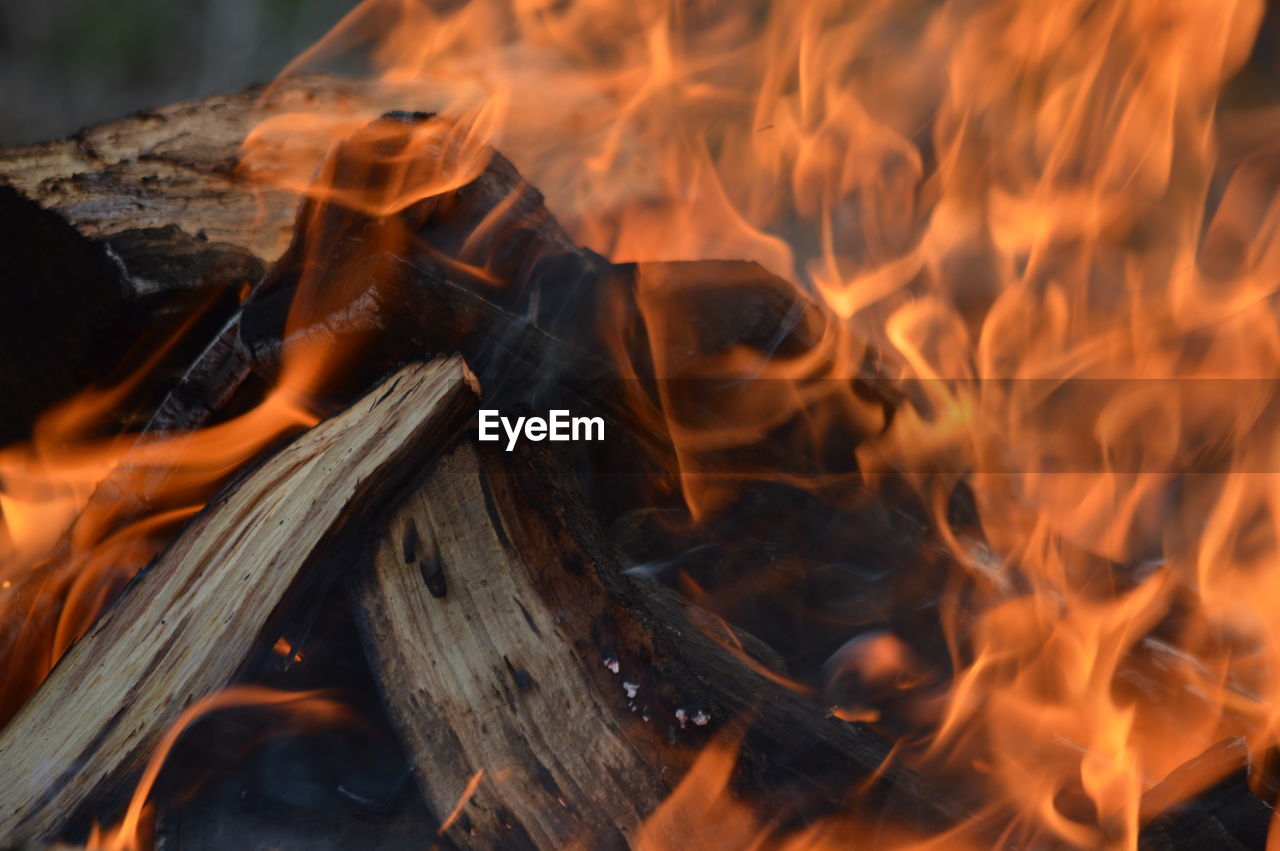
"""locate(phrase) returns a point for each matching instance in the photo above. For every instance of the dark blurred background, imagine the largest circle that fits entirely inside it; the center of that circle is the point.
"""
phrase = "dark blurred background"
(65, 64)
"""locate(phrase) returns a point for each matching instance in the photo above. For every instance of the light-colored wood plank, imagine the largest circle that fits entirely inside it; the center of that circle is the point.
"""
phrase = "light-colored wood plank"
(186, 624)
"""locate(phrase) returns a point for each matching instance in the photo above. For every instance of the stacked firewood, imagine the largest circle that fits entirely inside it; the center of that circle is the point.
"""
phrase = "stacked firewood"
(506, 639)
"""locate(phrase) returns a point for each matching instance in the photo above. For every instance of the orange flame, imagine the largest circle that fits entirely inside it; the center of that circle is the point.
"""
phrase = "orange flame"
(134, 831)
(80, 514)
(1024, 209)
(472, 785)
(1052, 223)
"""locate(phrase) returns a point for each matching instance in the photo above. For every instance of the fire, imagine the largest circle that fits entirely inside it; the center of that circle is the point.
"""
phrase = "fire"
(701, 812)
(298, 709)
(1024, 212)
(82, 513)
(1052, 226)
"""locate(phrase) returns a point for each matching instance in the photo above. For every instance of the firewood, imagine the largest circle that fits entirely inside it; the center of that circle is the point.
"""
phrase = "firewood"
(506, 640)
(479, 675)
(476, 268)
(175, 166)
(60, 293)
(1224, 814)
(564, 318)
(163, 189)
(188, 623)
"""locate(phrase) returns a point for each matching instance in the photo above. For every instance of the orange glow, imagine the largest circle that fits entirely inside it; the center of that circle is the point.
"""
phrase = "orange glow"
(1022, 210)
(701, 812)
(299, 709)
(472, 785)
(1051, 226)
(80, 514)
(285, 651)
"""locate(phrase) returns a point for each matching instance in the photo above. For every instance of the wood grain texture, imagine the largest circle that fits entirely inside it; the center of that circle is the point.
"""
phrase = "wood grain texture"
(175, 165)
(505, 638)
(187, 624)
(478, 675)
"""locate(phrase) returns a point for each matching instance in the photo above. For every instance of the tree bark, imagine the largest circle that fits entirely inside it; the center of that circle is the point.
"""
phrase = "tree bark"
(172, 167)
(524, 529)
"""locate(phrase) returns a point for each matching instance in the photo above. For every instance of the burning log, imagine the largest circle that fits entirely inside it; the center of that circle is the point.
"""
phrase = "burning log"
(510, 647)
(63, 291)
(189, 622)
(172, 170)
(563, 313)
(485, 679)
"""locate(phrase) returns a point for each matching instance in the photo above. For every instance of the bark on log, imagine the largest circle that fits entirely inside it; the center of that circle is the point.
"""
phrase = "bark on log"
(172, 167)
(186, 625)
(532, 328)
(506, 639)
(159, 189)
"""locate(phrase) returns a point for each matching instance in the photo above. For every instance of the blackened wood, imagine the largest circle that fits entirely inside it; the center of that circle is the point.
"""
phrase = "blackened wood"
(60, 294)
(538, 658)
(1226, 814)
(158, 260)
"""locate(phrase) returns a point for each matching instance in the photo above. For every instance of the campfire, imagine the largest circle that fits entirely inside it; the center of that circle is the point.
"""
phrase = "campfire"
(656, 425)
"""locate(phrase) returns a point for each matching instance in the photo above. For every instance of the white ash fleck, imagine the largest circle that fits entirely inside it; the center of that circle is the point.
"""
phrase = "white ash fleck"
(632, 689)
(612, 665)
(700, 718)
(682, 717)
(982, 559)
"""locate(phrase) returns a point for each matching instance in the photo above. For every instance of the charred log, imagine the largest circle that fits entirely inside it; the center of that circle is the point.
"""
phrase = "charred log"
(504, 637)
(61, 294)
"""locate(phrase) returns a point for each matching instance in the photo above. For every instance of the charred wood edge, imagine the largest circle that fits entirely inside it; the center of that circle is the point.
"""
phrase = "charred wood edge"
(1226, 815)
(192, 620)
(206, 386)
(570, 619)
(60, 290)
(71, 299)
(163, 259)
